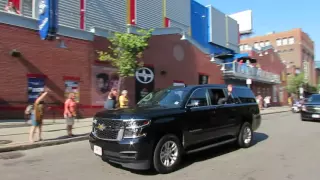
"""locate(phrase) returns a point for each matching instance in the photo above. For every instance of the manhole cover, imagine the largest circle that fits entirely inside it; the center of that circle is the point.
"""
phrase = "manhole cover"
(5, 142)
(11, 155)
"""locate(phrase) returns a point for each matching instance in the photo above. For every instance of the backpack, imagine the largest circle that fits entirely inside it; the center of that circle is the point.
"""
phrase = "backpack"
(28, 110)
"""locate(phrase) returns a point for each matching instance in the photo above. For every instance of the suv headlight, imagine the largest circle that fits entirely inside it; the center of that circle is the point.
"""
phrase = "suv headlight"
(133, 128)
(304, 108)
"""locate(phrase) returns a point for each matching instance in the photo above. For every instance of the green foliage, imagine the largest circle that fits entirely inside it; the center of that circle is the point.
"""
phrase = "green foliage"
(294, 82)
(126, 51)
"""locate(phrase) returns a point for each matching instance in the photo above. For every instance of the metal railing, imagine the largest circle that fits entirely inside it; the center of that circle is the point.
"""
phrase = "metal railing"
(244, 70)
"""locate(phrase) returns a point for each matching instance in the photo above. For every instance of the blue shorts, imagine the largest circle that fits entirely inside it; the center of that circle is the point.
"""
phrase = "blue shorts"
(34, 122)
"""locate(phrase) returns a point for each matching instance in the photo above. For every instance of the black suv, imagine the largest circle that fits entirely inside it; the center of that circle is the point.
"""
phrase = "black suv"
(171, 122)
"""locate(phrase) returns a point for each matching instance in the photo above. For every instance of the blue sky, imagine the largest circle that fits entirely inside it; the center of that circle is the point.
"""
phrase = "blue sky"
(277, 15)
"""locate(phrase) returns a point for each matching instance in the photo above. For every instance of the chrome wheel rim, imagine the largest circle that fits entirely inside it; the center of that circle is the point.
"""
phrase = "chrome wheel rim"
(247, 135)
(169, 153)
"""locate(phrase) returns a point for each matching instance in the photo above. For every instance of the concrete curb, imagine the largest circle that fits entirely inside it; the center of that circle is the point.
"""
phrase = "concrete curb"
(18, 147)
(276, 112)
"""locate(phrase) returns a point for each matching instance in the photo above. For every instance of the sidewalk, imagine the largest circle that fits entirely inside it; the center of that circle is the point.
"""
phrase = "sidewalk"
(14, 133)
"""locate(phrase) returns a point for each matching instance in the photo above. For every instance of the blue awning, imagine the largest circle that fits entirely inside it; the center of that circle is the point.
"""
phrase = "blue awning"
(245, 57)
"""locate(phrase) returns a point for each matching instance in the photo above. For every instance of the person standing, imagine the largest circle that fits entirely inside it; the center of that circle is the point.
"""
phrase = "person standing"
(123, 99)
(37, 116)
(111, 100)
(70, 112)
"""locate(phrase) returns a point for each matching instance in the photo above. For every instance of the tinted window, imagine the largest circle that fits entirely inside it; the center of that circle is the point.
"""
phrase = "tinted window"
(165, 97)
(199, 95)
(245, 95)
(216, 96)
(314, 98)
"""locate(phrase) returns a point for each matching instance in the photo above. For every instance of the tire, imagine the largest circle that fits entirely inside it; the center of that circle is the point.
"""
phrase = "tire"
(158, 164)
(244, 142)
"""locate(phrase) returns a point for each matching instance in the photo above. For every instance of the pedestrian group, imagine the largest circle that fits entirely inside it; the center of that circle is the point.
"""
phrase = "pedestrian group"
(35, 111)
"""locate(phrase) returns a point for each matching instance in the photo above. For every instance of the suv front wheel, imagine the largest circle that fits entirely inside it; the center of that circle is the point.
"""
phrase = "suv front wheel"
(245, 136)
(167, 154)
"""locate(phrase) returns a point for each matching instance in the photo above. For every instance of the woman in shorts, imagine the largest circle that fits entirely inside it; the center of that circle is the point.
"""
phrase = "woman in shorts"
(37, 116)
(70, 112)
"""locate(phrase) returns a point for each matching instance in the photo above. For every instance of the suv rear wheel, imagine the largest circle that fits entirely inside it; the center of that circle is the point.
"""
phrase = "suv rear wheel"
(245, 136)
(167, 154)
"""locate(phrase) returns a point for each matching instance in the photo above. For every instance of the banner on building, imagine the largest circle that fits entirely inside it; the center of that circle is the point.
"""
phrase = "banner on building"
(103, 80)
(72, 87)
(48, 18)
(35, 86)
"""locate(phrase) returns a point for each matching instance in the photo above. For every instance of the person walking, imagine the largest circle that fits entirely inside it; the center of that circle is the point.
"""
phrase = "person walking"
(70, 112)
(123, 99)
(37, 116)
(111, 100)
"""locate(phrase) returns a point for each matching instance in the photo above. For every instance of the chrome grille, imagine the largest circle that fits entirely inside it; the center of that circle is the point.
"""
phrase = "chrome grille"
(314, 109)
(108, 129)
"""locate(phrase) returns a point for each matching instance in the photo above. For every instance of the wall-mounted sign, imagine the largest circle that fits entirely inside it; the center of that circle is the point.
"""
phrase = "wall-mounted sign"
(144, 75)
(178, 84)
(35, 86)
(144, 82)
(103, 80)
(72, 87)
(248, 81)
(48, 18)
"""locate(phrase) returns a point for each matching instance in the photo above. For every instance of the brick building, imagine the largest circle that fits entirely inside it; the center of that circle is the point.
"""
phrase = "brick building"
(294, 47)
(76, 61)
(70, 62)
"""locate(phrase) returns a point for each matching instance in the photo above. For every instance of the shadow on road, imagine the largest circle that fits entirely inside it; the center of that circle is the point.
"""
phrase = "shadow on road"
(205, 155)
(66, 137)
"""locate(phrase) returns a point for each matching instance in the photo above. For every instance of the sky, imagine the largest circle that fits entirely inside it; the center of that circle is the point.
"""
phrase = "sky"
(277, 15)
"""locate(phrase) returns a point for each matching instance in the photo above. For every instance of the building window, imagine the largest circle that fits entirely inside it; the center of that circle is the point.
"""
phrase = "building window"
(267, 43)
(291, 40)
(256, 45)
(261, 44)
(246, 47)
(35, 9)
(203, 79)
(284, 41)
(241, 47)
(13, 6)
(279, 42)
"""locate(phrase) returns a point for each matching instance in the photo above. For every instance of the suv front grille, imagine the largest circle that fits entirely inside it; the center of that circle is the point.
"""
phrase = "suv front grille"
(108, 129)
(314, 109)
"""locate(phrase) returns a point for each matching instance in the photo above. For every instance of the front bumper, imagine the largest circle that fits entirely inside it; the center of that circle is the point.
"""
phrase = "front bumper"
(129, 153)
(256, 122)
(309, 116)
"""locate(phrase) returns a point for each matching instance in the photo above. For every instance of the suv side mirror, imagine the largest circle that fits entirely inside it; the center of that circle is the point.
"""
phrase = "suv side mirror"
(193, 103)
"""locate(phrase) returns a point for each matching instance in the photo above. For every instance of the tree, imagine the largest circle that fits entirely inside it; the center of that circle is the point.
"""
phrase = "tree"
(294, 83)
(125, 52)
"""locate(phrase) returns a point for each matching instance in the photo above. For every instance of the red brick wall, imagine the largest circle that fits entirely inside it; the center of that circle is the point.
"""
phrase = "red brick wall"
(271, 62)
(39, 57)
(43, 57)
(160, 56)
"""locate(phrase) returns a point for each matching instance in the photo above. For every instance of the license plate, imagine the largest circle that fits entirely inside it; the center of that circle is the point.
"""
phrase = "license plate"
(315, 116)
(97, 150)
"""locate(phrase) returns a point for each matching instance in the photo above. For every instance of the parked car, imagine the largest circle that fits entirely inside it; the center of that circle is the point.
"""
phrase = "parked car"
(172, 122)
(311, 108)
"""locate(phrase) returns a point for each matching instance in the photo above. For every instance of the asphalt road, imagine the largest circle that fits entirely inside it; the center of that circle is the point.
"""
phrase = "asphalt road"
(285, 148)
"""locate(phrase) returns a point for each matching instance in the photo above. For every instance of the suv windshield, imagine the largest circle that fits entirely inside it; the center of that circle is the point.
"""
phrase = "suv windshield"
(165, 97)
(314, 98)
